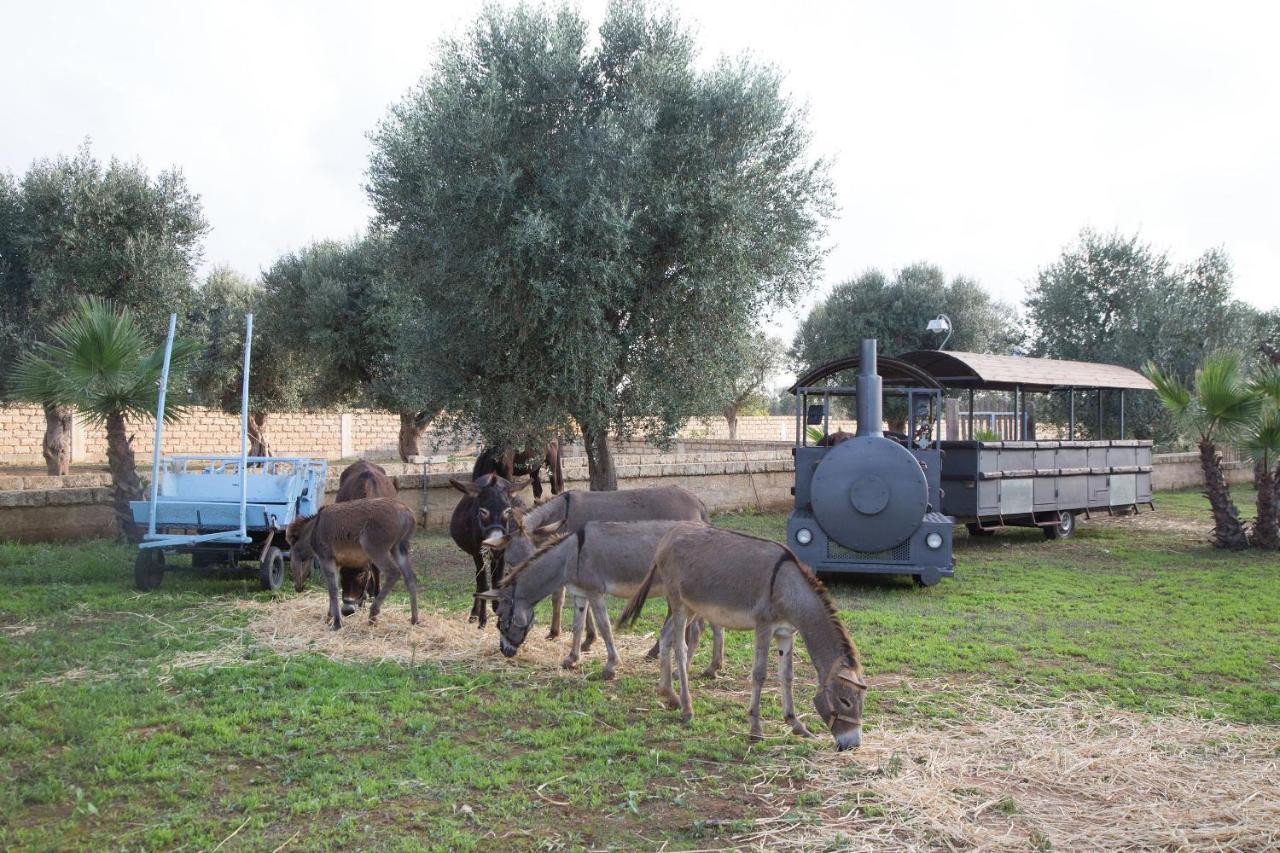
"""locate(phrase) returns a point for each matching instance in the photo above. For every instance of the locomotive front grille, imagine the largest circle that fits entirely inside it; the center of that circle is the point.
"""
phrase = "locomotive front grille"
(898, 554)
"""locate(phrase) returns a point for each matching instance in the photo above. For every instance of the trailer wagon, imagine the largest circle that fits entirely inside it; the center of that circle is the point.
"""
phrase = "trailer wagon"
(991, 482)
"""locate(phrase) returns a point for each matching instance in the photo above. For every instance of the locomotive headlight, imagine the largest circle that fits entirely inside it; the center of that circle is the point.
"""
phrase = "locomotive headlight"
(804, 536)
(933, 540)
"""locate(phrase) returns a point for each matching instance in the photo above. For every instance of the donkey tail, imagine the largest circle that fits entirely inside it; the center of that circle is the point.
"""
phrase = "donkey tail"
(631, 613)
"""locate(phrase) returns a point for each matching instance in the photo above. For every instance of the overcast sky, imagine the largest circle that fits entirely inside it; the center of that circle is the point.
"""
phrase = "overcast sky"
(978, 136)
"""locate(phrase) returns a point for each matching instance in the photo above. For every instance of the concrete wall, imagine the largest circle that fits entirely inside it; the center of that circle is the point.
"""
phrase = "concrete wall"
(1182, 471)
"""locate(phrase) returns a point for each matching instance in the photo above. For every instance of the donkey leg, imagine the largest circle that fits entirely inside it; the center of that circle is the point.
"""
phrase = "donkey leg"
(601, 612)
(682, 662)
(693, 636)
(330, 568)
(557, 605)
(665, 646)
(786, 642)
(482, 585)
(376, 607)
(410, 579)
(759, 672)
(591, 630)
(579, 621)
(717, 651)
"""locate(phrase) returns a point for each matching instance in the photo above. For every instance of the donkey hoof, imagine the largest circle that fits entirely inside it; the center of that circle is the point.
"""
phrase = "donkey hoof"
(686, 718)
(756, 737)
(473, 618)
(552, 634)
(569, 663)
(710, 672)
(801, 731)
(607, 674)
(671, 700)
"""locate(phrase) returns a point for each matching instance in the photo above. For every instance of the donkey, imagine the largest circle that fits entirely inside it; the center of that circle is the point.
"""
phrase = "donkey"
(479, 526)
(506, 462)
(356, 533)
(744, 583)
(362, 479)
(568, 512)
(604, 558)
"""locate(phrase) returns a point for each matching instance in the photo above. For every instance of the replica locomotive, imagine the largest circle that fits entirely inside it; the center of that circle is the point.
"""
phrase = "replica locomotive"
(870, 502)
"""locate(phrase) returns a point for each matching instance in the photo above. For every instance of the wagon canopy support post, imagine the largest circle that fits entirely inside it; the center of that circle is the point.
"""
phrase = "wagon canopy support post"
(1121, 413)
(971, 414)
(1071, 412)
(155, 447)
(244, 426)
(1099, 436)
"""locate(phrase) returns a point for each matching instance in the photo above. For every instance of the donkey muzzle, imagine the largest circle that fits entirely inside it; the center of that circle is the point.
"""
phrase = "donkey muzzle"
(851, 739)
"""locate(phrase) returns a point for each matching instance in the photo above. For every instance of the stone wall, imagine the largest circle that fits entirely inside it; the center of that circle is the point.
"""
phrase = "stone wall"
(1182, 471)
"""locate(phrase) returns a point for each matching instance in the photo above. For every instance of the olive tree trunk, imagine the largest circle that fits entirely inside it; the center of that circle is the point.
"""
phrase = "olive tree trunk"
(125, 483)
(57, 439)
(1228, 529)
(411, 429)
(604, 476)
(258, 444)
(731, 417)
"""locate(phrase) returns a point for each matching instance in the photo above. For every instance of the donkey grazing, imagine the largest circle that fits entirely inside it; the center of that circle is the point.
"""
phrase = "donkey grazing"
(362, 479)
(604, 558)
(744, 583)
(479, 526)
(356, 533)
(569, 512)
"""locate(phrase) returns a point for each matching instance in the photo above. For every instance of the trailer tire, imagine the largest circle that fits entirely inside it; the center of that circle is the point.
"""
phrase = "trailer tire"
(1063, 529)
(148, 569)
(977, 530)
(271, 570)
(927, 579)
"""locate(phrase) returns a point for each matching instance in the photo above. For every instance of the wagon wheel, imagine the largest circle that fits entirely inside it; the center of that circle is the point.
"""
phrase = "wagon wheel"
(927, 579)
(271, 570)
(148, 569)
(1063, 529)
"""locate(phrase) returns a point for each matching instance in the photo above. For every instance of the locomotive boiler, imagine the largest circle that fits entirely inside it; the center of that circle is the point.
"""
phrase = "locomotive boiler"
(869, 502)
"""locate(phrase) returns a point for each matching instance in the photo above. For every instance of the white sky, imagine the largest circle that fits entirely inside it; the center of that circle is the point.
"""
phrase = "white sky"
(978, 136)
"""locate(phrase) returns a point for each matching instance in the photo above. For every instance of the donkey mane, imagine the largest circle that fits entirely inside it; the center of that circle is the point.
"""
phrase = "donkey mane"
(542, 511)
(824, 596)
(295, 527)
(510, 577)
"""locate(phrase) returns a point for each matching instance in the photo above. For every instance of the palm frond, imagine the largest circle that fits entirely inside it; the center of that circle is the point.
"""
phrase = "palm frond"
(1172, 393)
(1223, 393)
(1262, 443)
(1266, 382)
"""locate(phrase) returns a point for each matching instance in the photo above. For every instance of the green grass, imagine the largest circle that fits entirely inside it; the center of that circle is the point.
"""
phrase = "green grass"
(103, 744)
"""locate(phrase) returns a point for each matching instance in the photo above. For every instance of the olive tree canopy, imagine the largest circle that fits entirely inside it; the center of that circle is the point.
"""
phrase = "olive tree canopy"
(582, 226)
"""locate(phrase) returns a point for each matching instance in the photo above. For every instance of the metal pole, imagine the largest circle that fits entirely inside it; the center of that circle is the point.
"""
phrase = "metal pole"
(1071, 396)
(155, 448)
(1122, 413)
(244, 426)
(1099, 414)
(1017, 417)
(971, 414)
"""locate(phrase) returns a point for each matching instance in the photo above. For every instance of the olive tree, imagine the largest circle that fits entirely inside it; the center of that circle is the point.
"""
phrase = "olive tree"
(72, 228)
(279, 376)
(759, 355)
(342, 317)
(582, 226)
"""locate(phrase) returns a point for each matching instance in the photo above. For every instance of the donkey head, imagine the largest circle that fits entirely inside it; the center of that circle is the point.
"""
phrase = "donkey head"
(492, 500)
(523, 541)
(515, 617)
(298, 537)
(839, 703)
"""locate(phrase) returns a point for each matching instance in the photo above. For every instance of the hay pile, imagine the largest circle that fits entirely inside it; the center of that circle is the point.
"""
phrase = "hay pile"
(1045, 774)
(296, 625)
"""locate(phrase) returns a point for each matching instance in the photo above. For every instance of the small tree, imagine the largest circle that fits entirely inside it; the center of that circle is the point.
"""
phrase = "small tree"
(1217, 407)
(1262, 442)
(99, 361)
(759, 357)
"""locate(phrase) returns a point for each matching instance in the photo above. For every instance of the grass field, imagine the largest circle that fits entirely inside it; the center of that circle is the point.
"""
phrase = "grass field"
(1020, 705)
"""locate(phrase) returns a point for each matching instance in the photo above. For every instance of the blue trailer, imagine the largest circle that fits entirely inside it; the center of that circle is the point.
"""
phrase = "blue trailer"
(223, 510)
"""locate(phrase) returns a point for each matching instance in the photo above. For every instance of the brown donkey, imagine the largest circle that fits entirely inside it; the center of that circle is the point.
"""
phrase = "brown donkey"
(356, 533)
(361, 479)
(744, 583)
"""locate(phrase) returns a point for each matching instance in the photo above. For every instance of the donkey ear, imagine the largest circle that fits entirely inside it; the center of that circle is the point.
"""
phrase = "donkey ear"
(465, 486)
(549, 529)
(517, 485)
(489, 595)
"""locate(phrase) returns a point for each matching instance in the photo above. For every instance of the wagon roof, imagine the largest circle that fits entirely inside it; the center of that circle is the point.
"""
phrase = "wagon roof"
(996, 372)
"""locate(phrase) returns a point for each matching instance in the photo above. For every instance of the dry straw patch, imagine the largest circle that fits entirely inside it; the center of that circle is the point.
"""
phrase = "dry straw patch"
(1046, 773)
(296, 625)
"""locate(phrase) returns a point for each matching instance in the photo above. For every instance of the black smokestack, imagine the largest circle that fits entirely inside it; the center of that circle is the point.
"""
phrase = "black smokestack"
(870, 408)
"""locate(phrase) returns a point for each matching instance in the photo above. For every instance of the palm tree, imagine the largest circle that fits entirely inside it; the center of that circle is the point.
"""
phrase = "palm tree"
(1263, 444)
(1218, 407)
(98, 361)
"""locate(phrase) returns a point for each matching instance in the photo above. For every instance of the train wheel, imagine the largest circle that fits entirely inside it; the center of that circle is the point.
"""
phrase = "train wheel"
(148, 569)
(977, 530)
(1063, 529)
(271, 570)
(927, 579)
